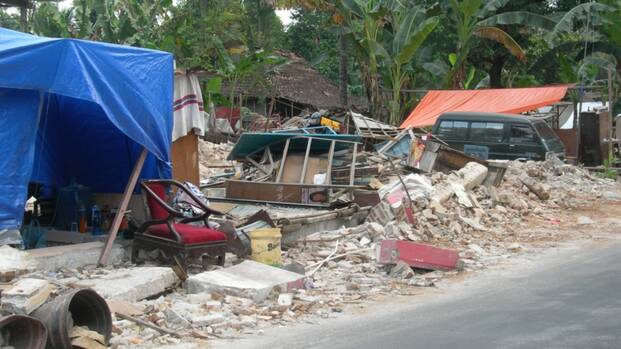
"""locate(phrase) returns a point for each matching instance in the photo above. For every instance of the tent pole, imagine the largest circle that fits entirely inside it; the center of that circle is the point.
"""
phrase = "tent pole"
(116, 223)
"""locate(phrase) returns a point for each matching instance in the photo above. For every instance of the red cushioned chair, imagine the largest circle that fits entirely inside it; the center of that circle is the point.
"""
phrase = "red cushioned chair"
(169, 231)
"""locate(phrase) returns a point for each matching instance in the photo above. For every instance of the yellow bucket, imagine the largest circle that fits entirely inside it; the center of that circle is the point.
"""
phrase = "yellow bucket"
(265, 246)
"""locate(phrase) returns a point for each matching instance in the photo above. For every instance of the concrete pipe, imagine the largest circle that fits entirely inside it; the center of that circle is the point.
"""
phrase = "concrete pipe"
(21, 331)
(77, 308)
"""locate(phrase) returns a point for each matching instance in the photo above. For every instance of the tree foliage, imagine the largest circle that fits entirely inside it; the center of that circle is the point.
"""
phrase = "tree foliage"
(388, 46)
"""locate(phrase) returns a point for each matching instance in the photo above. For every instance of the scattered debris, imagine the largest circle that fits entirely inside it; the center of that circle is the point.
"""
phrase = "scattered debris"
(25, 296)
(249, 279)
(130, 284)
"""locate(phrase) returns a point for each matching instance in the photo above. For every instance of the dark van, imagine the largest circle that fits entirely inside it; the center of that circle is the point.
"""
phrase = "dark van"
(498, 136)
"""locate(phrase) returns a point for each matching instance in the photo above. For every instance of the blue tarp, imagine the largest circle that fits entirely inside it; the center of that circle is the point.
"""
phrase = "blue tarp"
(79, 110)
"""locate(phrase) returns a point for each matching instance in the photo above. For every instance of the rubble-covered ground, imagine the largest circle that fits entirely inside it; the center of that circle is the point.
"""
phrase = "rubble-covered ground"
(537, 205)
(340, 266)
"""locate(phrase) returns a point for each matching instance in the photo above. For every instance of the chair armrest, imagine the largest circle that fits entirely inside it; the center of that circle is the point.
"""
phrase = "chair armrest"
(199, 202)
(166, 206)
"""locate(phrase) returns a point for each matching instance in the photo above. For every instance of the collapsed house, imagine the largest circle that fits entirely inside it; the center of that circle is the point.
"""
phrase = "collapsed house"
(332, 208)
(287, 90)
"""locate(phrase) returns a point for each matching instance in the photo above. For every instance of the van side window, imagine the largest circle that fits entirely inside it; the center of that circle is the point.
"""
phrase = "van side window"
(487, 131)
(522, 134)
(454, 130)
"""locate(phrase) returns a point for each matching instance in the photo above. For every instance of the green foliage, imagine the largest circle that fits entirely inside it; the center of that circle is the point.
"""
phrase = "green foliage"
(312, 35)
(9, 21)
(610, 167)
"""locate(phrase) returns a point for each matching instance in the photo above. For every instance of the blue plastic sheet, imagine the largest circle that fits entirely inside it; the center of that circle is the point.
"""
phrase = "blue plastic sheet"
(74, 109)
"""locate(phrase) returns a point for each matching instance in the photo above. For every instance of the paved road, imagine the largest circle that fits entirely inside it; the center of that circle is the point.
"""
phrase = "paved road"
(563, 299)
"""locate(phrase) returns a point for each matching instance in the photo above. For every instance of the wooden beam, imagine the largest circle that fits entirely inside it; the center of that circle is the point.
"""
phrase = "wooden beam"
(282, 161)
(352, 170)
(116, 223)
(330, 158)
(305, 165)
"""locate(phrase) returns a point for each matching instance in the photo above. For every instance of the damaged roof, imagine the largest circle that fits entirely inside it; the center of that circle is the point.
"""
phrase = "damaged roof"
(296, 81)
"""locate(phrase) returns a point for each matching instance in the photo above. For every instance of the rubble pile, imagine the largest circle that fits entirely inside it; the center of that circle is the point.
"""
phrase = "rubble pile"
(212, 158)
(485, 224)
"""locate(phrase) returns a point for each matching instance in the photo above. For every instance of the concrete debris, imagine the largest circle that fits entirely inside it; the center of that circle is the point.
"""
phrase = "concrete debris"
(459, 223)
(249, 279)
(131, 284)
(401, 270)
(584, 220)
(212, 158)
(14, 263)
(25, 296)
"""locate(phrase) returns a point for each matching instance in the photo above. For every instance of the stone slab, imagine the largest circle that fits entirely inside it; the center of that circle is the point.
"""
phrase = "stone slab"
(132, 284)
(73, 256)
(248, 279)
(25, 296)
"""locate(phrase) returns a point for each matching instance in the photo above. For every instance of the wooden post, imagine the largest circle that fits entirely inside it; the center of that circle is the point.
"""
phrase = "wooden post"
(282, 161)
(330, 158)
(305, 165)
(352, 169)
(116, 223)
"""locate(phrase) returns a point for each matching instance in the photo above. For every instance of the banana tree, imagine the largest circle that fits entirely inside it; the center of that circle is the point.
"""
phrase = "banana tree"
(475, 18)
(364, 21)
(409, 29)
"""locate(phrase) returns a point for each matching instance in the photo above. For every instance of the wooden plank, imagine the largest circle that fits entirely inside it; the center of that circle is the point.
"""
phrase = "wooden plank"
(282, 161)
(116, 223)
(304, 166)
(184, 157)
(330, 158)
(257, 165)
(352, 171)
(292, 193)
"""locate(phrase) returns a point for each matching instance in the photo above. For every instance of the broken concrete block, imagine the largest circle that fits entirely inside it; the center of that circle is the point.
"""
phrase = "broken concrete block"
(208, 320)
(73, 256)
(174, 320)
(248, 279)
(535, 187)
(285, 299)
(514, 247)
(381, 214)
(401, 270)
(469, 176)
(472, 174)
(417, 255)
(25, 296)
(584, 220)
(132, 284)
(14, 263)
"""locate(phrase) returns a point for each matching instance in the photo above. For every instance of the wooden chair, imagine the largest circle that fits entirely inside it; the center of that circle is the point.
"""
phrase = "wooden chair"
(169, 231)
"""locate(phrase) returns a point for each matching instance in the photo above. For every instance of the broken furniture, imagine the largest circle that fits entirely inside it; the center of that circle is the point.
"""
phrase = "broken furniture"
(295, 167)
(439, 157)
(170, 230)
(417, 255)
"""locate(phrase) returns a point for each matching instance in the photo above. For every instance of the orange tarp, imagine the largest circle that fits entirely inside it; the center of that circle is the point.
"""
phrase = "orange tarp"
(506, 100)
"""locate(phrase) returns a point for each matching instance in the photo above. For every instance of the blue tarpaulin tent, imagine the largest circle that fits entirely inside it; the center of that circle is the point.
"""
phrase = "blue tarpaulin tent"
(79, 110)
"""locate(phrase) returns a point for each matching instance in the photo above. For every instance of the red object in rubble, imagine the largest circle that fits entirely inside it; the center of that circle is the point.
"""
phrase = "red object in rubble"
(417, 255)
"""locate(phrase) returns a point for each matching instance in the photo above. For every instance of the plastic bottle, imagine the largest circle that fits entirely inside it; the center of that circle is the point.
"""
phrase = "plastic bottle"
(82, 224)
(96, 220)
